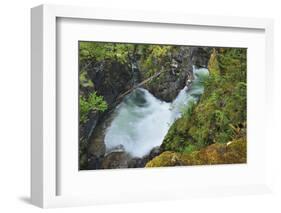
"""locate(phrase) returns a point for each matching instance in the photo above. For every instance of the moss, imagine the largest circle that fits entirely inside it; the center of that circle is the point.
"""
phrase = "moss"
(191, 159)
(153, 59)
(220, 114)
(233, 152)
(164, 159)
(236, 151)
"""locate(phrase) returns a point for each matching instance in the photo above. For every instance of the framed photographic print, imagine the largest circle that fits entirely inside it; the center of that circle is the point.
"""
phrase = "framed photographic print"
(149, 106)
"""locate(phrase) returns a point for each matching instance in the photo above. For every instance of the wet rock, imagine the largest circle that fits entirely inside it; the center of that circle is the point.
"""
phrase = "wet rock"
(137, 163)
(96, 149)
(180, 72)
(154, 152)
(200, 56)
(115, 160)
(93, 163)
(114, 79)
(173, 78)
(141, 162)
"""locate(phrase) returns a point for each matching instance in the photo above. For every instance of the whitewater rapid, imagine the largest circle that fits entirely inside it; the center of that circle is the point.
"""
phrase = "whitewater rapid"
(142, 121)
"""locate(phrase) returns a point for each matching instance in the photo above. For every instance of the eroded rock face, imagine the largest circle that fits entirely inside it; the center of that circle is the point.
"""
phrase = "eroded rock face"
(110, 79)
(173, 77)
(179, 72)
(200, 56)
(96, 148)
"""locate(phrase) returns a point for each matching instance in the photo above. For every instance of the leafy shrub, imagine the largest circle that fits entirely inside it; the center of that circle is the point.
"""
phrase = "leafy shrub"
(93, 102)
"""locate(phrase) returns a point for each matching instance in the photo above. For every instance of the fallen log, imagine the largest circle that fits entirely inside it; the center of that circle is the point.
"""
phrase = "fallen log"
(138, 85)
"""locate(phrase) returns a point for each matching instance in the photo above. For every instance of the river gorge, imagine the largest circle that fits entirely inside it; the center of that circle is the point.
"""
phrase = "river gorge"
(142, 121)
(151, 108)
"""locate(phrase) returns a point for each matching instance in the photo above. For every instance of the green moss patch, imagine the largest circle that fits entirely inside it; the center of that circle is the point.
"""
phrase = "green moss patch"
(220, 115)
(232, 152)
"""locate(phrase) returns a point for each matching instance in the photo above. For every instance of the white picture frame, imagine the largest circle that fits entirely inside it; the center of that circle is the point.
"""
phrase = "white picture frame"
(44, 155)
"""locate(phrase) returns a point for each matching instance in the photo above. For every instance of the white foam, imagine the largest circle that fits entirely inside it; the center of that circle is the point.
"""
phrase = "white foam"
(142, 121)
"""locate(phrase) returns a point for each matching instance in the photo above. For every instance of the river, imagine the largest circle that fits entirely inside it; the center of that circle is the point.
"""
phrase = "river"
(141, 120)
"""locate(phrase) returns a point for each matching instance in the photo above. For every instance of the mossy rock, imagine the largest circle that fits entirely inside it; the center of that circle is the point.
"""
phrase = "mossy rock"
(236, 151)
(233, 152)
(164, 159)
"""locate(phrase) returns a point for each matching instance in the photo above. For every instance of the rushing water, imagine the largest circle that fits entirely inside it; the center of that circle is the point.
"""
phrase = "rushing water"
(142, 121)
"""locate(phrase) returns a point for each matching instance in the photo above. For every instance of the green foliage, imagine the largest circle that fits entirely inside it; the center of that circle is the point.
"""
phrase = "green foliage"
(105, 51)
(84, 79)
(154, 58)
(189, 149)
(93, 102)
(187, 110)
(220, 115)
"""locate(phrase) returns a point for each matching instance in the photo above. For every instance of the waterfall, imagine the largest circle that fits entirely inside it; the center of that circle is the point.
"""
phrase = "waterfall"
(142, 121)
(135, 71)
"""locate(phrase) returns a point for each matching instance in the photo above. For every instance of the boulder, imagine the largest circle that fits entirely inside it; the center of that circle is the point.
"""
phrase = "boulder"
(173, 77)
(115, 160)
